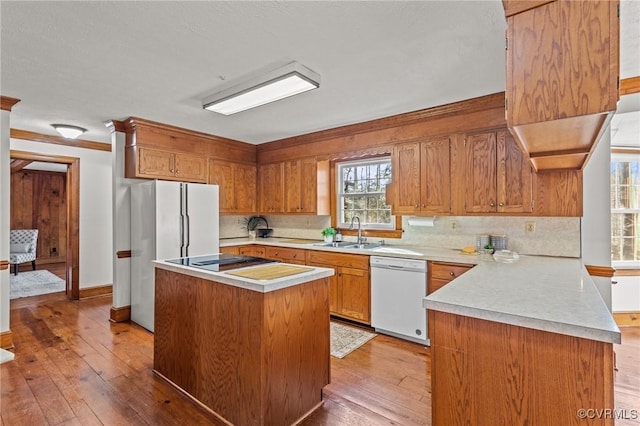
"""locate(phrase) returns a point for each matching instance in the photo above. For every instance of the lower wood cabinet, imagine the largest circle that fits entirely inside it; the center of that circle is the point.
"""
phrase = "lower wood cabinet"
(287, 255)
(440, 274)
(350, 287)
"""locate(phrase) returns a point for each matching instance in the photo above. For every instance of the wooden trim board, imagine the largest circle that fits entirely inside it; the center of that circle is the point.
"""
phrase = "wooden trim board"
(120, 314)
(6, 339)
(629, 85)
(85, 293)
(600, 271)
(6, 103)
(58, 140)
(627, 319)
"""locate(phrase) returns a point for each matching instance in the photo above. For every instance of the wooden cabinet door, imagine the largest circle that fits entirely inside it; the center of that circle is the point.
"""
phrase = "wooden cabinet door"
(562, 61)
(271, 192)
(155, 163)
(558, 193)
(244, 188)
(308, 186)
(354, 294)
(480, 191)
(190, 168)
(435, 177)
(333, 287)
(406, 178)
(515, 176)
(221, 174)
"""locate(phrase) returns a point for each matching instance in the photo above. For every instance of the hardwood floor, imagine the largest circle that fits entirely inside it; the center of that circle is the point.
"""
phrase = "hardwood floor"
(74, 367)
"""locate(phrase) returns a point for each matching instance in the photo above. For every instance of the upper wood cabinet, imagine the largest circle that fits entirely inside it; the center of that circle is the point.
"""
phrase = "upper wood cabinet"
(558, 193)
(271, 188)
(421, 177)
(237, 184)
(562, 78)
(306, 186)
(159, 164)
(498, 177)
(295, 186)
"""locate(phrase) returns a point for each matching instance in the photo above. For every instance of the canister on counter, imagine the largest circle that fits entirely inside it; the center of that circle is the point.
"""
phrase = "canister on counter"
(499, 242)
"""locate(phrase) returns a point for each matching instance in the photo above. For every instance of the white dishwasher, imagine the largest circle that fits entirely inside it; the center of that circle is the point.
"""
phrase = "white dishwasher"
(397, 289)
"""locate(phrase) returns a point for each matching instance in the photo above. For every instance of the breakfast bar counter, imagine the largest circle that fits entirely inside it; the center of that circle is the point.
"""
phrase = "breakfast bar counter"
(251, 351)
(524, 343)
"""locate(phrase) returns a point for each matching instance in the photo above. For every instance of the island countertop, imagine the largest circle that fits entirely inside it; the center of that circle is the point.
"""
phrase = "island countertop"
(262, 286)
(542, 293)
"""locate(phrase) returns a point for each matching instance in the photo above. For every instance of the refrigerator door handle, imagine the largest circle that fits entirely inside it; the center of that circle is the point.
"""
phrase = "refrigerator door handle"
(182, 239)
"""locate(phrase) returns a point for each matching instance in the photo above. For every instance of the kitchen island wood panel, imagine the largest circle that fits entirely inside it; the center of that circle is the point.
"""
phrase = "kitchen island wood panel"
(488, 373)
(252, 358)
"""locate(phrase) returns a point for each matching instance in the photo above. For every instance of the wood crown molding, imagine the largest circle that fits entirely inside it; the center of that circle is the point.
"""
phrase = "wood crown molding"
(58, 140)
(600, 271)
(116, 126)
(102, 290)
(131, 123)
(123, 254)
(629, 85)
(4, 264)
(7, 103)
(120, 314)
(6, 339)
(495, 100)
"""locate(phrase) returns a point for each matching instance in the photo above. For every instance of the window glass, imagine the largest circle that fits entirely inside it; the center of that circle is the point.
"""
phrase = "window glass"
(625, 209)
(361, 193)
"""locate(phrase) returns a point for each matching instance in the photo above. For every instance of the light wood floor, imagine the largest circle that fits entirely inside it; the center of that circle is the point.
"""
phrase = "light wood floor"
(73, 367)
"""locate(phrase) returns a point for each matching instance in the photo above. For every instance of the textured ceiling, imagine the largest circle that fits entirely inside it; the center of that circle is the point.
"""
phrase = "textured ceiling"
(85, 63)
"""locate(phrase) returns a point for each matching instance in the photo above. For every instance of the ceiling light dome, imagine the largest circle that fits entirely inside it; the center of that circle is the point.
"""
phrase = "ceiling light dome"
(67, 131)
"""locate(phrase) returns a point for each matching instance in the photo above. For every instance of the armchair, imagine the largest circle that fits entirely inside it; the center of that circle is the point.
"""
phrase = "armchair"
(22, 247)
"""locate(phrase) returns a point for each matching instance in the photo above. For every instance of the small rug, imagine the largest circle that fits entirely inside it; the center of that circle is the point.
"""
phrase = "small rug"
(6, 356)
(32, 283)
(345, 339)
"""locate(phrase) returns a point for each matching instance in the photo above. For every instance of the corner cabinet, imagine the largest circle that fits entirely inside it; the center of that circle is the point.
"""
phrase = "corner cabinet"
(422, 180)
(237, 184)
(498, 177)
(350, 287)
(153, 163)
(562, 78)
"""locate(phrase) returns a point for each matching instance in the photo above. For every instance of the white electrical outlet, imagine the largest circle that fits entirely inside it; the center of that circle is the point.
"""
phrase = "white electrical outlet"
(453, 225)
(529, 228)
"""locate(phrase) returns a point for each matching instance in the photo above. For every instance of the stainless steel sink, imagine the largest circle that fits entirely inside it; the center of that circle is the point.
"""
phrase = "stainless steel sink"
(349, 245)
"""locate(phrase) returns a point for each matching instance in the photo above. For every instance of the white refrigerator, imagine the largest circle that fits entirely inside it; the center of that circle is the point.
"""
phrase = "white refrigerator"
(168, 220)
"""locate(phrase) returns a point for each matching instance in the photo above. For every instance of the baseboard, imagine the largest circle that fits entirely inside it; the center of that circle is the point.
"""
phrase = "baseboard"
(95, 291)
(120, 314)
(6, 339)
(48, 260)
(627, 319)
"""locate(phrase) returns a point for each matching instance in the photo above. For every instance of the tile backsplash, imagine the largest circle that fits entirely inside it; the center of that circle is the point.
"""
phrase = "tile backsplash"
(553, 236)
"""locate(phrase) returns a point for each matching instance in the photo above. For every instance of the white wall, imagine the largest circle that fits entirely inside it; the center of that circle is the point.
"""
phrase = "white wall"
(5, 213)
(596, 220)
(96, 245)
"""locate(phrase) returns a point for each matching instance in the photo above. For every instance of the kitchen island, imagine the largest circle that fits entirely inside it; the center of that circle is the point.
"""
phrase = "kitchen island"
(523, 343)
(252, 352)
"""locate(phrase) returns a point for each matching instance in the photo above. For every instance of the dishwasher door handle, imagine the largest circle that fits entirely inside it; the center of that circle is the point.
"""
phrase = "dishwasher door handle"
(398, 268)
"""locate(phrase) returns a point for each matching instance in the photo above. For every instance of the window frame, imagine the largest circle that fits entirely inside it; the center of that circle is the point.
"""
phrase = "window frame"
(618, 157)
(392, 232)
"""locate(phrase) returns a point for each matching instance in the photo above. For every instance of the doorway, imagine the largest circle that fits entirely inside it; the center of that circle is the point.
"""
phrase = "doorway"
(72, 200)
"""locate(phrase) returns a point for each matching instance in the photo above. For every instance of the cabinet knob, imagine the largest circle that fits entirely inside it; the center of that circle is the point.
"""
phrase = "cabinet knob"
(177, 171)
(492, 204)
(295, 255)
(452, 274)
(416, 206)
(423, 205)
(501, 204)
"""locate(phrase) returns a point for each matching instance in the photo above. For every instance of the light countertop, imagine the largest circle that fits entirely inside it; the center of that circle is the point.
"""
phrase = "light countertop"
(542, 293)
(262, 286)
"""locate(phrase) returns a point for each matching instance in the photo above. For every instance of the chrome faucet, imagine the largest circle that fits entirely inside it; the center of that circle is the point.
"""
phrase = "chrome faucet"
(359, 240)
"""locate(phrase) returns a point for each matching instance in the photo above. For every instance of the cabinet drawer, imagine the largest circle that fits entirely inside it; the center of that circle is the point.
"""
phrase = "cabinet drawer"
(339, 259)
(230, 250)
(286, 254)
(447, 271)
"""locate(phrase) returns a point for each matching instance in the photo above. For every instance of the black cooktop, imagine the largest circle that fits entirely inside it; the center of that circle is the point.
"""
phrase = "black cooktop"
(220, 262)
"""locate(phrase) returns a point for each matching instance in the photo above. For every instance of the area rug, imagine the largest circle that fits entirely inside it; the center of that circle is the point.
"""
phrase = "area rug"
(32, 283)
(345, 339)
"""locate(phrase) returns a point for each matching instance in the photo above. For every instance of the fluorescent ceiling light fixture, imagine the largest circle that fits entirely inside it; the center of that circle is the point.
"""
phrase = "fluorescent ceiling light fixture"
(68, 131)
(277, 84)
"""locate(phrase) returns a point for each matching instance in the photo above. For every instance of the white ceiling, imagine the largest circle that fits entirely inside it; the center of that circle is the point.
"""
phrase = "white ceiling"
(87, 62)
